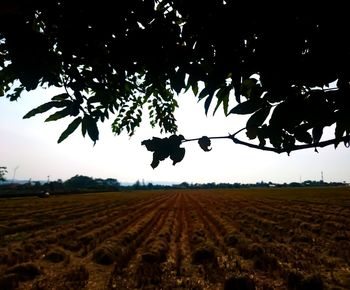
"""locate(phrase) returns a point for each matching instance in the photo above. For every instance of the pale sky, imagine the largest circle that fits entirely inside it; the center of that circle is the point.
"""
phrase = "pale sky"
(31, 146)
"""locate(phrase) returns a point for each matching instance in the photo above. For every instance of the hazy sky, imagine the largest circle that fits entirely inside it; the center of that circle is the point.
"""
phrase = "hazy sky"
(31, 146)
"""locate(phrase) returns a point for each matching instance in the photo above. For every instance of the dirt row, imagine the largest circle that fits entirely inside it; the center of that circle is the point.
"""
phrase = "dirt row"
(176, 239)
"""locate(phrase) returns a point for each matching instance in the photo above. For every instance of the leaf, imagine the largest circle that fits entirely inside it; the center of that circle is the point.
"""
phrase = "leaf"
(247, 86)
(262, 141)
(236, 82)
(252, 132)
(223, 97)
(178, 81)
(30, 80)
(164, 147)
(258, 118)
(84, 125)
(175, 140)
(256, 92)
(204, 142)
(15, 95)
(74, 109)
(162, 152)
(152, 144)
(92, 129)
(155, 163)
(43, 108)
(288, 143)
(195, 88)
(70, 129)
(58, 115)
(207, 103)
(283, 116)
(247, 107)
(317, 134)
(303, 136)
(225, 103)
(339, 132)
(60, 97)
(177, 155)
(190, 82)
(203, 93)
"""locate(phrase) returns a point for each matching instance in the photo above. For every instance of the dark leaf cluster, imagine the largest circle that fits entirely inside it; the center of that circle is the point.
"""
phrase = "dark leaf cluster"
(163, 148)
(3, 171)
(286, 68)
(204, 142)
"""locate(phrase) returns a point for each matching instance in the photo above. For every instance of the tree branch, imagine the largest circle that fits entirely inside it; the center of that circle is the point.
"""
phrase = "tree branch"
(278, 150)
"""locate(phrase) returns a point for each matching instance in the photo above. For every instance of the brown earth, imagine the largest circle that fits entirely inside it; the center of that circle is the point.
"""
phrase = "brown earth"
(178, 239)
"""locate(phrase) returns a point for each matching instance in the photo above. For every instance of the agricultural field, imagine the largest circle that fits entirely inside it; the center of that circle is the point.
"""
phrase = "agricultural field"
(178, 239)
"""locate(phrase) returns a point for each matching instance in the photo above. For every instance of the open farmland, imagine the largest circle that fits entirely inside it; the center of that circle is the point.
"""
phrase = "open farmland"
(178, 239)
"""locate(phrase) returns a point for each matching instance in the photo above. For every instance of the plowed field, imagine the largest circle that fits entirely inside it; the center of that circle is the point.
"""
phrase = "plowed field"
(178, 239)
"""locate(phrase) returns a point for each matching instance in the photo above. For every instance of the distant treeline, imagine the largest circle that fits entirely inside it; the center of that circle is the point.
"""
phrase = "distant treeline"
(84, 184)
(307, 183)
(76, 184)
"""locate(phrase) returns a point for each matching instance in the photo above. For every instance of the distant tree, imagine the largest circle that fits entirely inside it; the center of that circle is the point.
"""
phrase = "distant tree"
(288, 68)
(137, 184)
(54, 185)
(80, 181)
(37, 184)
(111, 182)
(3, 171)
(184, 184)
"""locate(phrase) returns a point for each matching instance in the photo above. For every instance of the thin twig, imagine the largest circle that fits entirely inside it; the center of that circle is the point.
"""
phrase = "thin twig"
(216, 137)
(273, 149)
(196, 139)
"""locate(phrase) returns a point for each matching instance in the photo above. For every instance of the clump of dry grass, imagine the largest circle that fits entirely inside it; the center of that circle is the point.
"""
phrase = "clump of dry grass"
(302, 238)
(203, 254)
(149, 257)
(156, 253)
(4, 256)
(87, 239)
(231, 238)
(25, 271)
(249, 251)
(198, 236)
(239, 283)
(298, 281)
(266, 262)
(104, 256)
(13, 256)
(76, 277)
(28, 247)
(9, 282)
(148, 274)
(4, 230)
(341, 236)
(56, 255)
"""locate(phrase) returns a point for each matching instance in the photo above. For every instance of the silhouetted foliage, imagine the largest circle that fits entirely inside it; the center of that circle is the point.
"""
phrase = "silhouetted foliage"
(80, 181)
(3, 171)
(287, 68)
(164, 148)
(75, 184)
(137, 185)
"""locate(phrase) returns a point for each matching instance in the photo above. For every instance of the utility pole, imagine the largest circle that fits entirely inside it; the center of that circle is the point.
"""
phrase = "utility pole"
(14, 173)
(321, 176)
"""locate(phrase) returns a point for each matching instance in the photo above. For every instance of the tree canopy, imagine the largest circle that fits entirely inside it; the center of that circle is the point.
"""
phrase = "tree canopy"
(286, 67)
(3, 172)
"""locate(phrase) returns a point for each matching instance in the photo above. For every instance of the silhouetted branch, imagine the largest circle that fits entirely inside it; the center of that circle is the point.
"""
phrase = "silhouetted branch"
(278, 150)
